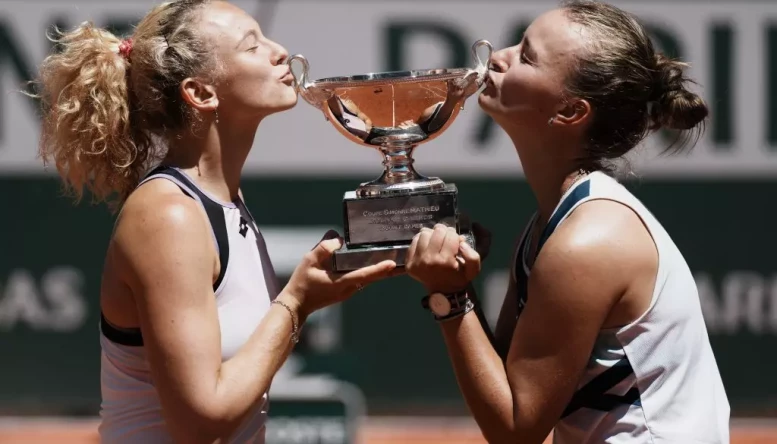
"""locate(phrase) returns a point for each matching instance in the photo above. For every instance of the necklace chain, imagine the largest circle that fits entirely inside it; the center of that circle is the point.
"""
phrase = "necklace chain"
(580, 174)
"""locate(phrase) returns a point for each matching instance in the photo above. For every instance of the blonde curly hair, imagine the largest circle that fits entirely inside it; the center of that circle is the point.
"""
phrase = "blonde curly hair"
(107, 112)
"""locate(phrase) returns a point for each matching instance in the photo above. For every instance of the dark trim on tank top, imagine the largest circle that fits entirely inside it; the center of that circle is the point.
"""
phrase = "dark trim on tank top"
(580, 192)
(215, 213)
(193, 185)
(130, 337)
(592, 395)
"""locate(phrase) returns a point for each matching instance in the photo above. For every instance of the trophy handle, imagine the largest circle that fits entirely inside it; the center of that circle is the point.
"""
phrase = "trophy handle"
(482, 66)
(313, 95)
(301, 82)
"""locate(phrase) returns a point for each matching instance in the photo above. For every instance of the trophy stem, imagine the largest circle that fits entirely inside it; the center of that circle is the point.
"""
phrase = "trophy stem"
(398, 162)
(399, 176)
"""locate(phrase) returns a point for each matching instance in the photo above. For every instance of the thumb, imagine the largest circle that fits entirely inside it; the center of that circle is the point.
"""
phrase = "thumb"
(330, 234)
(326, 248)
(471, 260)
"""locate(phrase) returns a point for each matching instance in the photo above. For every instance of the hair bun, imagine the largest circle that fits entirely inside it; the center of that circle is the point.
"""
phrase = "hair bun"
(675, 106)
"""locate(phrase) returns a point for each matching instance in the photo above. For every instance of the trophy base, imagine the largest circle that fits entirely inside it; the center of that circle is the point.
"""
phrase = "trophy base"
(381, 228)
(385, 220)
(352, 258)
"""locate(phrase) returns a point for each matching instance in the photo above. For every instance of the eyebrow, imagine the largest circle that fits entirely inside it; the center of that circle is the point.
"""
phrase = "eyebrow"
(249, 33)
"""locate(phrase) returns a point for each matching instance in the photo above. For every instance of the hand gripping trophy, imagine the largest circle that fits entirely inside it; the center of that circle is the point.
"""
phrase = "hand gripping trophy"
(394, 112)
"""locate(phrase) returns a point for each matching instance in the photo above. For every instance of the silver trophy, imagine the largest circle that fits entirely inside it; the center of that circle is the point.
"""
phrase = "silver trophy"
(394, 112)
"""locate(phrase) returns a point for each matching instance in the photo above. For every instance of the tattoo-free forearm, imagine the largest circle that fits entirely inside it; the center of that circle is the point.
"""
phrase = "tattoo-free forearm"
(481, 376)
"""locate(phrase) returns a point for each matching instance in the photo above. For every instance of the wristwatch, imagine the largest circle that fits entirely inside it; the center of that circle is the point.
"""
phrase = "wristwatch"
(448, 305)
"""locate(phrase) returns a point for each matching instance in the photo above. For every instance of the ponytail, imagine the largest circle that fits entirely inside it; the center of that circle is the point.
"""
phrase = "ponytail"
(110, 105)
(86, 131)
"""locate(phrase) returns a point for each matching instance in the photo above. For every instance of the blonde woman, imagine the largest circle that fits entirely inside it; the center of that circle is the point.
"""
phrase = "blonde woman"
(194, 325)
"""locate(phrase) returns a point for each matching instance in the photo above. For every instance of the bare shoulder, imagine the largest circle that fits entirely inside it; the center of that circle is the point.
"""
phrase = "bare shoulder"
(602, 242)
(159, 207)
(611, 231)
(157, 223)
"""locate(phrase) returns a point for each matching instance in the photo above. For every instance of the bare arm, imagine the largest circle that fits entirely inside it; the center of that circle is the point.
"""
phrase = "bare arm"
(480, 373)
(505, 324)
(166, 254)
(579, 276)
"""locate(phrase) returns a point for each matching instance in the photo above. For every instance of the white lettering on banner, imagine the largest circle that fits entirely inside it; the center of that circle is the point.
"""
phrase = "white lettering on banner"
(307, 430)
(730, 46)
(744, 300)
(739, 302)
(55, 303)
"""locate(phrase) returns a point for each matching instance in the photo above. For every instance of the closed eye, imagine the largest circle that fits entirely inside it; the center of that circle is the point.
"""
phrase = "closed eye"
(495, 67)
(526, 49)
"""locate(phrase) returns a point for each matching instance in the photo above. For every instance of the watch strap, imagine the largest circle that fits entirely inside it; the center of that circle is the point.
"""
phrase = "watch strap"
(460, 301)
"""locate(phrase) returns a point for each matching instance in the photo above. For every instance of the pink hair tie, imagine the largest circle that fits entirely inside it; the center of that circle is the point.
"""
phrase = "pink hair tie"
(125, 48)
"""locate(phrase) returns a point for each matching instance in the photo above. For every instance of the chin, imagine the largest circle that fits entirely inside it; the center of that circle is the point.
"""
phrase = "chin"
(290, 103)
(286, 101)
(486, 103)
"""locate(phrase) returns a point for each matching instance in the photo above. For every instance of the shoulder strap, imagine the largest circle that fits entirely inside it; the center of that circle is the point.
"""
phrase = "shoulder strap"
(214, 211)
(581, 191)
(578, 194)
(132, 336)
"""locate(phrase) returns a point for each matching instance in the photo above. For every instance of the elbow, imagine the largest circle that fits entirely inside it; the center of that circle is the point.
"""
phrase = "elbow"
(203, 425)
(511, 436)
(501, 435)
(200, 432)
(516, 427)
(497, 429)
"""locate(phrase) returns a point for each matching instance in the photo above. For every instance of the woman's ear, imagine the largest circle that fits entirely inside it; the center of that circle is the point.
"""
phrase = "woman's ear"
(574, 113)
(199, 96)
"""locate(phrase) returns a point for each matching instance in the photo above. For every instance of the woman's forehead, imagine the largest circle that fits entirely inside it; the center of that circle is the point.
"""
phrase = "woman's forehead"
(227, 23)
(553, 36)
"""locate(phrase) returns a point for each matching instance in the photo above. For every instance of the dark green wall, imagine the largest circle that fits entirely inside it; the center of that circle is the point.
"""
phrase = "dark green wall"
(51, 250)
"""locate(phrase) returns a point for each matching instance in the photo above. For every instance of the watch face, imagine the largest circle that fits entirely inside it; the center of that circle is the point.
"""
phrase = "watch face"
(439, 304)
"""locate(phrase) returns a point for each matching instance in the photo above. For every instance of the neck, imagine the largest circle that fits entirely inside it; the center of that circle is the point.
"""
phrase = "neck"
(549, 176)
(215, 159)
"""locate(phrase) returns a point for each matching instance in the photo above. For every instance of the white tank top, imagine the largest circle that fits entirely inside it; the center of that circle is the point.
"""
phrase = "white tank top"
(652, 381)
(130, 409)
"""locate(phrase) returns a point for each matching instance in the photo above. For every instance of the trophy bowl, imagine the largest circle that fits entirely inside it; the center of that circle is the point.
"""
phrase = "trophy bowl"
(394, 113)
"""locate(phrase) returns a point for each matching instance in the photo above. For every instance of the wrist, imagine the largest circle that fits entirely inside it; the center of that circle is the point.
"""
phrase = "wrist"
(447, 289)
(446, 306)
(294, 304)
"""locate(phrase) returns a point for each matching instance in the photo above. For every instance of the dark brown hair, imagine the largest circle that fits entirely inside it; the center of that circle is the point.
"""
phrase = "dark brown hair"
(632, 88)
(105, 109)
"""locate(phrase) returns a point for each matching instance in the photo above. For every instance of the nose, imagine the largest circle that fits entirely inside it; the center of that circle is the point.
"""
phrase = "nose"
(498, 61)
(280, 54)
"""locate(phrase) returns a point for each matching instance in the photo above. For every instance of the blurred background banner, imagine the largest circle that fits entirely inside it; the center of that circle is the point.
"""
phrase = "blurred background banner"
(716, 201)
(731, 45)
